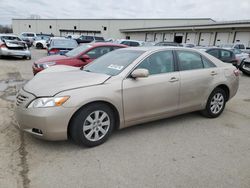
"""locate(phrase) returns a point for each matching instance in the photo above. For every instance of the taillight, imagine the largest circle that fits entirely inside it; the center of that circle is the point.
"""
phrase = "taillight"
(236, 72)
(53, 51)
(3, 46)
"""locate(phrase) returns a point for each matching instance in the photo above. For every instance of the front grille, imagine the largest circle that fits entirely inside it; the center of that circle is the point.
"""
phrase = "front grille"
(20, 99)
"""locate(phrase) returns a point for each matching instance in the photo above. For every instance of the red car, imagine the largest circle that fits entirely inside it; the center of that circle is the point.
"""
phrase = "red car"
(77, 57)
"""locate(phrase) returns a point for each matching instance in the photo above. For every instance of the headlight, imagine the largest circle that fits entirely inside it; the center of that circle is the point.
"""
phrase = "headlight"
(48, 102)
(46, 65)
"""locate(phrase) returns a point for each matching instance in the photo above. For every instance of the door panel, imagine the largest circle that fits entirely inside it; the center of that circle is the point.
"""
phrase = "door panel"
(155, 95)
(195, 87)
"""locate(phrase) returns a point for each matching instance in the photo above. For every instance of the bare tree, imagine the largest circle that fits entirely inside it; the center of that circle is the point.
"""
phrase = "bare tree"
(5, 29)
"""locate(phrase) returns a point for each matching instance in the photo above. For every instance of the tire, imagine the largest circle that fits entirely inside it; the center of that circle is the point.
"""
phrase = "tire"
(88, 130)
(247, 72)
(39, 46)
(215, 104)
(27, 57)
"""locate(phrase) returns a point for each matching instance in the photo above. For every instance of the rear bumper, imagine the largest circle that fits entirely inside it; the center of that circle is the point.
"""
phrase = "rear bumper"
(8, 52)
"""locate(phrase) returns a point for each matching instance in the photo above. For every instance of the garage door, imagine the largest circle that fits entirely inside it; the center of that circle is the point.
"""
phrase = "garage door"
(222, 38)
(243, 37)
(205, 39)
(190, 38)
(149, 37)
(158, 37)
(168, 37)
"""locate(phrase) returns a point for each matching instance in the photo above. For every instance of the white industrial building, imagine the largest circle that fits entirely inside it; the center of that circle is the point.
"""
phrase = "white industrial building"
(200, 31)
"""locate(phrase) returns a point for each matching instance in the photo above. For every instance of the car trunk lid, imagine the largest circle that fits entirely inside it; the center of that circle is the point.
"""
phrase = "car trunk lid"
(15, 45)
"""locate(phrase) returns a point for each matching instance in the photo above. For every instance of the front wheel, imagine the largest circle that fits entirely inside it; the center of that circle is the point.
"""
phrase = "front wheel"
(92, 125)
(215, 103)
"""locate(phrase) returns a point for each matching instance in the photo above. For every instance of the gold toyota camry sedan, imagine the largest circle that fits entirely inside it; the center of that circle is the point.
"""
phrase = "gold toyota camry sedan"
(123, 88)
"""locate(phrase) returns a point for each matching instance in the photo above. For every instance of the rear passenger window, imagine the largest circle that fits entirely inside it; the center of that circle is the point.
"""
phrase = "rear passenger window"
(241, 46)
(226, 54)
(207, 63)
(189, 60)
(214, 53)
(134, 44)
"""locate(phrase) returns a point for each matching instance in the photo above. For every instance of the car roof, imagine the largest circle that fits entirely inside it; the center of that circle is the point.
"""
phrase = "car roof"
(156, 48)
(99, 44)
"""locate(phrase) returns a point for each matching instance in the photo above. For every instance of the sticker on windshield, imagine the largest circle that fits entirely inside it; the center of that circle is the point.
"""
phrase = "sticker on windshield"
(116, 67)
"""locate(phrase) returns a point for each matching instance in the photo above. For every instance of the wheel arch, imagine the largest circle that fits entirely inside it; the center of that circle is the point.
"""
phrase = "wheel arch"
(225, 88)
(114, 109)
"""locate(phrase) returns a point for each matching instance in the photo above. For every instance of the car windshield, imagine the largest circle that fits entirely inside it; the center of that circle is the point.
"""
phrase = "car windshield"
(64, 43)
(77, 51)
(114, 62)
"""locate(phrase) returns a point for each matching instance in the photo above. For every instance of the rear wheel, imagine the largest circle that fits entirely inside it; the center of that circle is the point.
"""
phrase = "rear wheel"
(92, 125)
(39, 46)
(215, 103)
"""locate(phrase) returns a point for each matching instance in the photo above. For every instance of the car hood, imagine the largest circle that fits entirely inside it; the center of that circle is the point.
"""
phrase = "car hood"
(54, 58)
(61, 78)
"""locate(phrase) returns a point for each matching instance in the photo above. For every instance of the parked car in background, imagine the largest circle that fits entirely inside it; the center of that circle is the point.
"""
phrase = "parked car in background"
(41, 41)
(27, 41)
(222, 54)
(132, 43)
(12, 45)
(240, 55)
(245, 66)
(187, 45)
(59, 45)
(29, 35)
(77, 57)
(239, 46)
(70, 36)
(149, 43)
(88, 39)
(167, 44)
(123, 88)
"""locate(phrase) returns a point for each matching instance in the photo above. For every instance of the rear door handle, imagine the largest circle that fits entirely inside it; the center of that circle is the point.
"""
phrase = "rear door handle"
(213, 73)
(174, 79)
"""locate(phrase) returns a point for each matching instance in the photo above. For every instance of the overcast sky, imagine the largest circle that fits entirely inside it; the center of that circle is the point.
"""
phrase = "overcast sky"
(215, 9)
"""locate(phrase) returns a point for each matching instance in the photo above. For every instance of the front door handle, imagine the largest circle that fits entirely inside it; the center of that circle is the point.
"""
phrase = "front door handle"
(173, 79)
(213, 73)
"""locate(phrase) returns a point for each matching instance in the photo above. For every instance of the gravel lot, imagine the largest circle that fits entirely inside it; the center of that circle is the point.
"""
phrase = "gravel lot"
(184, 151)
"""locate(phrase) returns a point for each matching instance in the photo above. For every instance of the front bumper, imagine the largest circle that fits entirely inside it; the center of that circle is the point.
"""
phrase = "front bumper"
(8, 52)
(46, 123)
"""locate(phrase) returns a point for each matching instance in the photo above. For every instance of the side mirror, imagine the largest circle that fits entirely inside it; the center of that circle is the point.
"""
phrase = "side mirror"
(47, 45)
(140, 73)
(85, 57)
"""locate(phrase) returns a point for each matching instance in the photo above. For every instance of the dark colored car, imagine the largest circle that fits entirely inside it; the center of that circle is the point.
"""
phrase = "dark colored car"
(27, 41)
(61, 46)
(77, 57)
(88, 39)
(245, 66)
(224, 55)
(167, 44)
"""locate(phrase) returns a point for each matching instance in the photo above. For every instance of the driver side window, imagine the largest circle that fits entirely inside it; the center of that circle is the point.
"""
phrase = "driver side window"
(159, 62)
